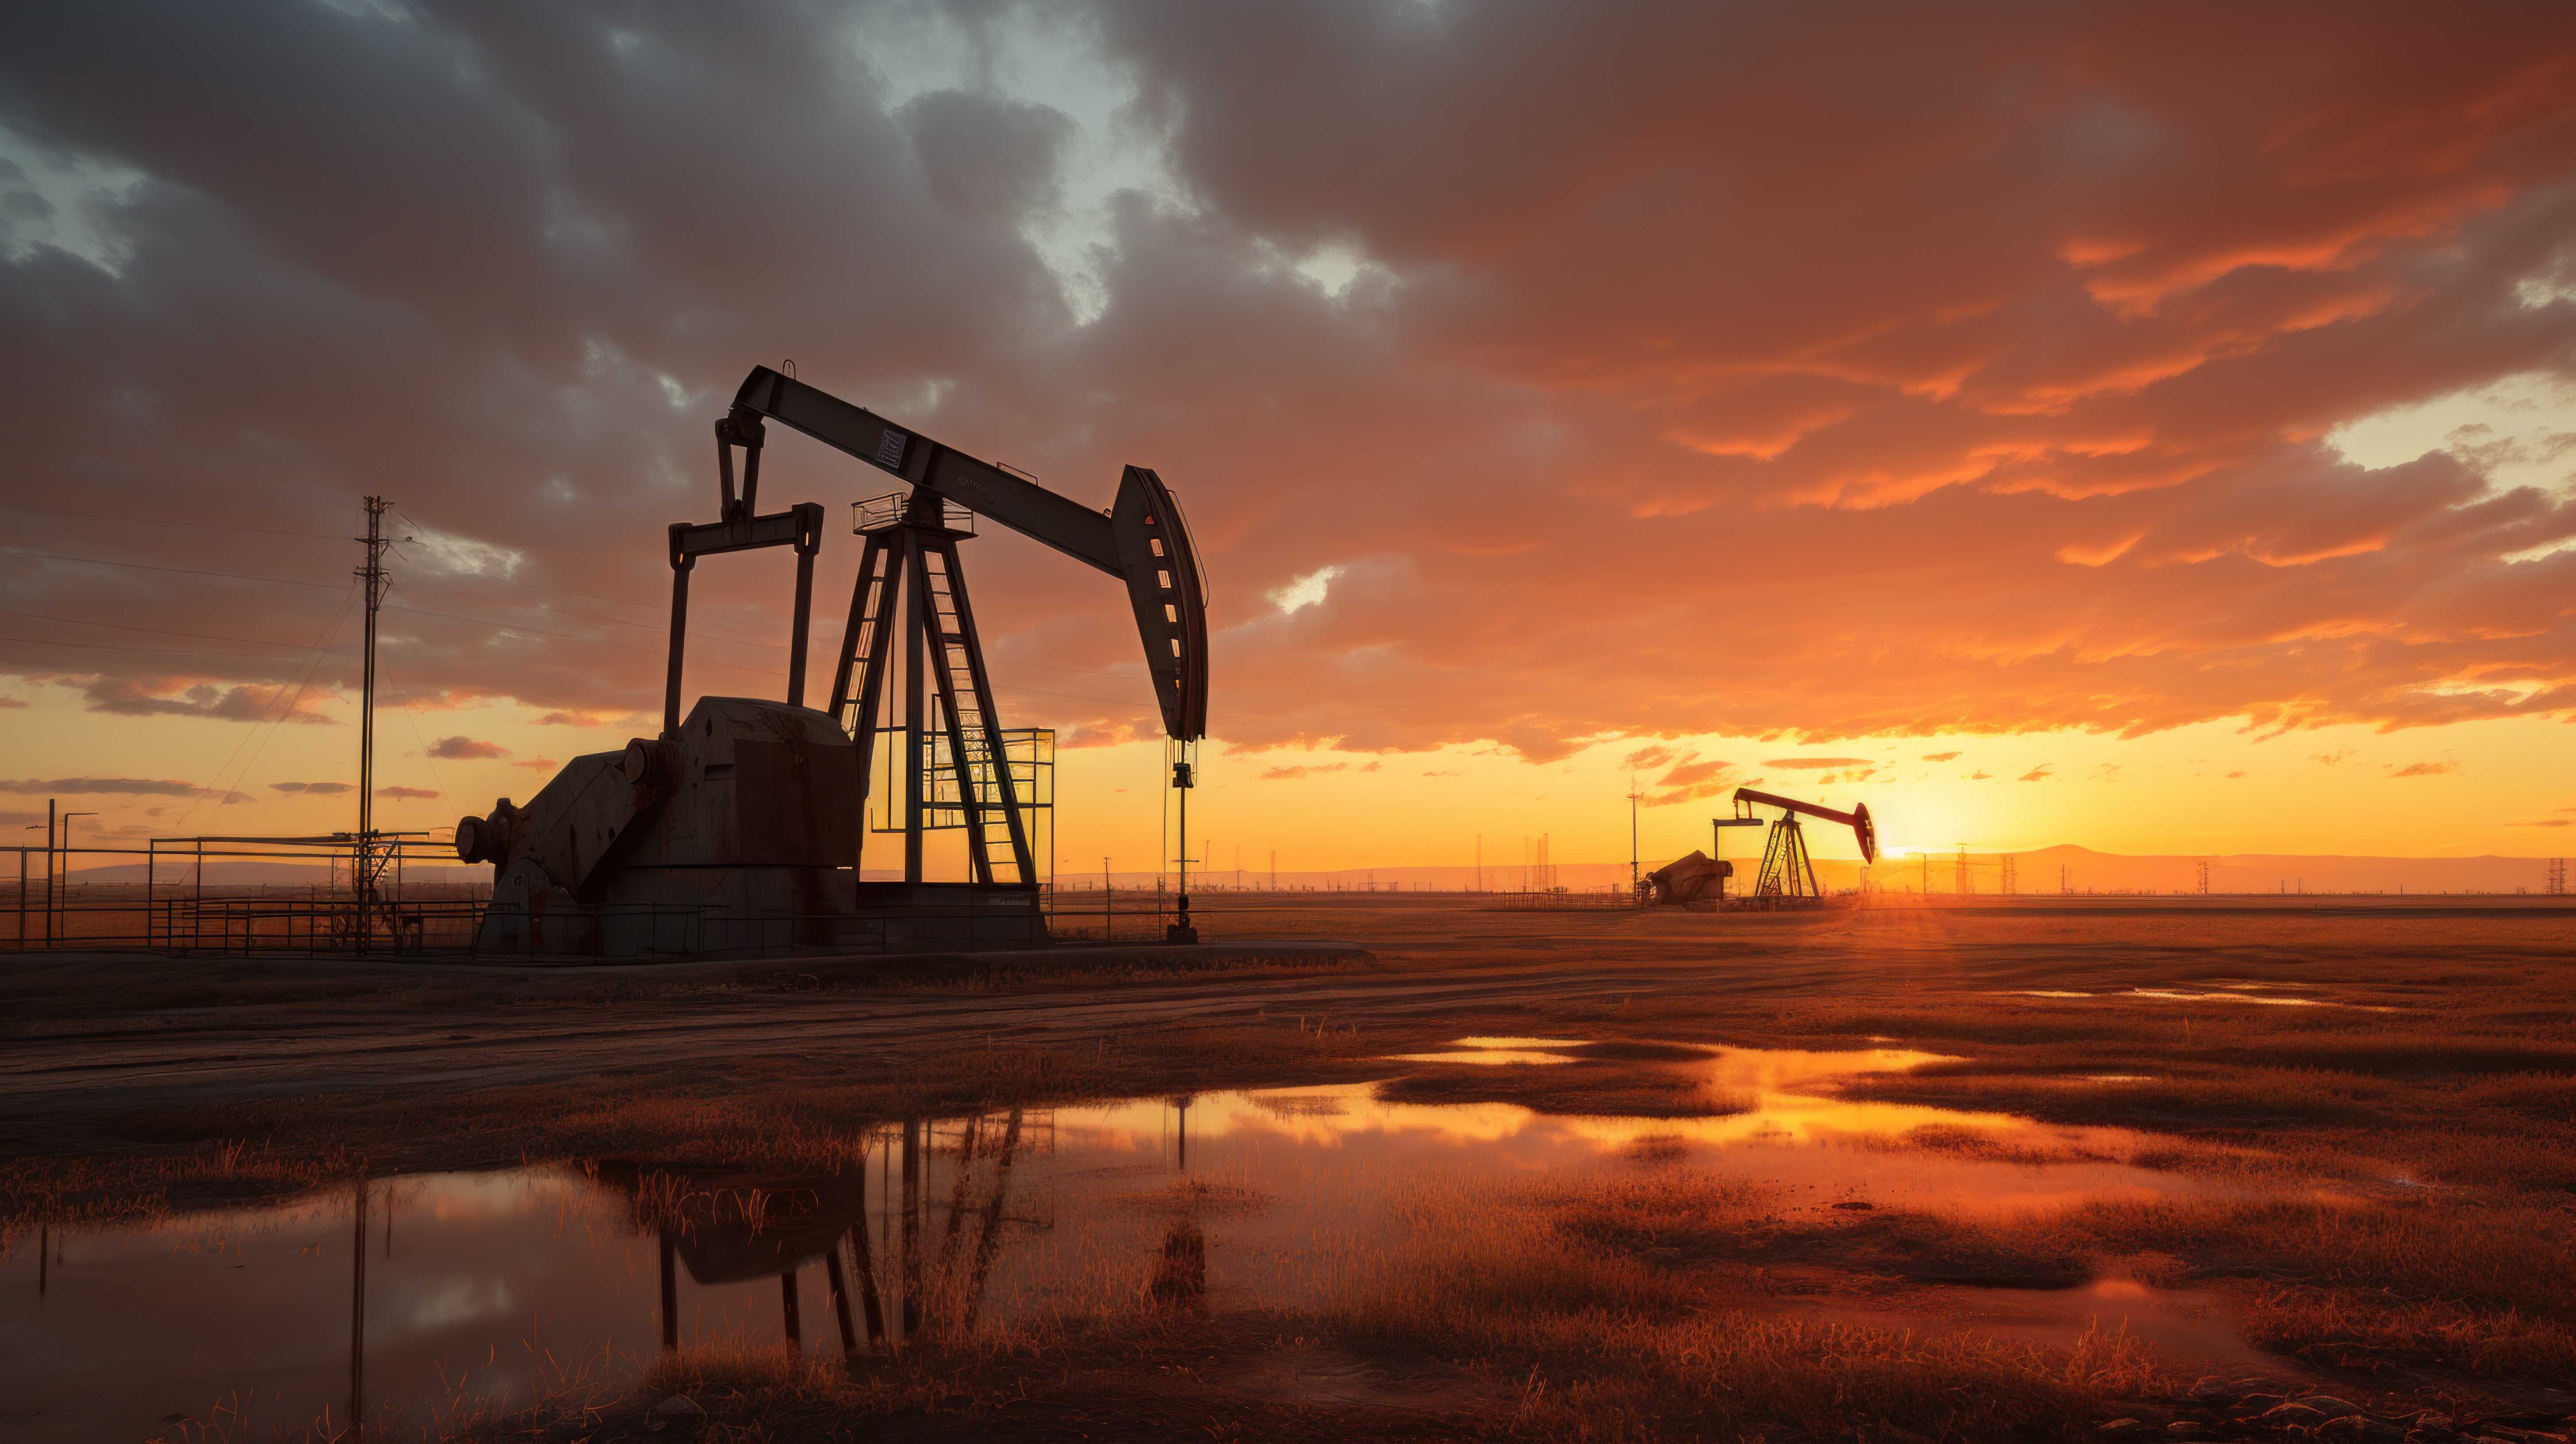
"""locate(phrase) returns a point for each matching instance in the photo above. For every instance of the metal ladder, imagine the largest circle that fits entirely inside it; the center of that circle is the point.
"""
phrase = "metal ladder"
(978, 767)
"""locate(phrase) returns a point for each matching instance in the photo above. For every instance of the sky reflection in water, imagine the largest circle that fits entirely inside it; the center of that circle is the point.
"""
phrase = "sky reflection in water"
(1273, 1197)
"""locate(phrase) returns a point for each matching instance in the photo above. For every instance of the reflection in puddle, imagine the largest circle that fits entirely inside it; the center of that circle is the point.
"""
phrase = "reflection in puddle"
(2228, 993)
(454, 1290)
(2177, 995)
(1491, 1056)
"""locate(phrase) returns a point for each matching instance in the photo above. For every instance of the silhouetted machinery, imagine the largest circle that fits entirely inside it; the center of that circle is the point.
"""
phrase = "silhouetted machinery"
(1686, 881)
(1788, 876)
(739, 828)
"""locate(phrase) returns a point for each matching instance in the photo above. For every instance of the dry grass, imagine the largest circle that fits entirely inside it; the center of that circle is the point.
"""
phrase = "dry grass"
(214, 1174)
(1680, 1220)
(1550, 1292)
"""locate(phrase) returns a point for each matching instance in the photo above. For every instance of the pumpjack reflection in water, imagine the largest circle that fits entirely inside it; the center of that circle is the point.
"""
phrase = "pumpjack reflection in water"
(729, 1227)
(1180, 1276)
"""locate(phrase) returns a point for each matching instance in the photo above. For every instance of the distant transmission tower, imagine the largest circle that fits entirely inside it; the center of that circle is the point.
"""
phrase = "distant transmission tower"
(2012, 875)
(2557, 885)
(2203, 865)
(1964, 883)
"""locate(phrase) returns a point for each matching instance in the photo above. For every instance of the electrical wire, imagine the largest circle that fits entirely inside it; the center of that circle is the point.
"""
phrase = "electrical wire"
(146, 567)
(320, 643)
(159, 631)
(171, 521)
(287, 713)
(160, 651)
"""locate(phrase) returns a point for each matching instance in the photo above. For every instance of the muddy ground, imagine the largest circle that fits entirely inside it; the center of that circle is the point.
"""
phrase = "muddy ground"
(2427, 1070)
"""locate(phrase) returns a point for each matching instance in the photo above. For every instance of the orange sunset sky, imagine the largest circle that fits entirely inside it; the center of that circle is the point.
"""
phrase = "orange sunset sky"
(2143, 426)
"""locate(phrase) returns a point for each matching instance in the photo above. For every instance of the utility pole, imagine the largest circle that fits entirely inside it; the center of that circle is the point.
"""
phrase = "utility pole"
(1633, 797)
(51, 822)
(370, 866)
(1480, 862)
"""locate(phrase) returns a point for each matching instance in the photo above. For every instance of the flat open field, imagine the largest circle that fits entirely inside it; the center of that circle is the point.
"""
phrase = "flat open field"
(1382, 1165)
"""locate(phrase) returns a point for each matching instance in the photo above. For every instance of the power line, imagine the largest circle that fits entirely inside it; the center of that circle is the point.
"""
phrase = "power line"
(158, 631)
(185, 571)
(162, 651)
(171, 521)
(320, 643)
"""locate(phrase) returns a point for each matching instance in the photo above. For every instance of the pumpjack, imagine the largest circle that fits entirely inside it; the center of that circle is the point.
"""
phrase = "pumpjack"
(739, 828)
(1788, 877)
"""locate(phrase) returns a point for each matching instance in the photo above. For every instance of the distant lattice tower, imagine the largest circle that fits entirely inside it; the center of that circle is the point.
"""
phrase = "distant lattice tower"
(2203, 865)
(2011, 884)
(1964, 883)
(2557, 886)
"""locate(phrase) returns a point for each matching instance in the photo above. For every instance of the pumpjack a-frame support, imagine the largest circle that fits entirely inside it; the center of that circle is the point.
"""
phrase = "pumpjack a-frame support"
(955, 764)
(1788, 876)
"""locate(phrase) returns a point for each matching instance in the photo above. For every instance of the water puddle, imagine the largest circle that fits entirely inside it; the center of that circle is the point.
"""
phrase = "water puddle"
(452, 1292)
(1484, 1057)
(2227, 993)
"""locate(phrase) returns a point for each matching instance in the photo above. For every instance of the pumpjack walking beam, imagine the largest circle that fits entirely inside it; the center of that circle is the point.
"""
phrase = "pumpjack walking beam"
(1142, 540)
(1787, 872)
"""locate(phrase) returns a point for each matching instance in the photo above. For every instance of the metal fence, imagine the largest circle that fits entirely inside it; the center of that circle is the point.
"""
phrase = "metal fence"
(1613, 899)
(192, 917)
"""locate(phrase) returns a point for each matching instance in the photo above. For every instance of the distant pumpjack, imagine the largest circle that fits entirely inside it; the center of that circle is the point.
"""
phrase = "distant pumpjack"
(1788, 876)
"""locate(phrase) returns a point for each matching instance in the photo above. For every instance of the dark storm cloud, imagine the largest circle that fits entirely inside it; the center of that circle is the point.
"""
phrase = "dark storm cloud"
(1706, 368)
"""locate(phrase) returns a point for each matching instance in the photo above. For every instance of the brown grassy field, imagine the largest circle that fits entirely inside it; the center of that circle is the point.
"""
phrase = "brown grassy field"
(2401, 1148)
